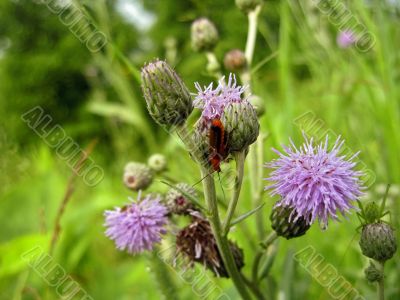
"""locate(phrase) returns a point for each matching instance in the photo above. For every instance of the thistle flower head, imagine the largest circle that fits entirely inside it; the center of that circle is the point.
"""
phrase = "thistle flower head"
(137, 226)
(315, 181)
(213, 101)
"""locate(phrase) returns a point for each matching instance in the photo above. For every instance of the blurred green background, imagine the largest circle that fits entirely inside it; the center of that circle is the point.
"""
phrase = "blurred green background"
(96, 95)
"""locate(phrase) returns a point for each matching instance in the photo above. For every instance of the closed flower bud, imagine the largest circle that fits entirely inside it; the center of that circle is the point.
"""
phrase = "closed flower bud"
(177, 202)
(373, 274)
(200, 140)
(137, 176)
(247, 5)
(378, 241)
(204, 35)
(241, 125)
(235, 60)
(287, 223)
(157, 162)
(167, 97)
(258, 104)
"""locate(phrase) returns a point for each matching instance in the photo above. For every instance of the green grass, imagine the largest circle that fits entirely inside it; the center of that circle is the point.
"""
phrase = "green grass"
(353, 94)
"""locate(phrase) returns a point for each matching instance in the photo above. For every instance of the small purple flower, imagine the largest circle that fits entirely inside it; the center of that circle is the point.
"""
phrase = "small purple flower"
(316, 182)
(346, 38)
(213, 101)
(138, 225)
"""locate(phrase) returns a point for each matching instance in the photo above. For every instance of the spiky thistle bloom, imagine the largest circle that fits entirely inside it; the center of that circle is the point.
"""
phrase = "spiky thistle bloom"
(315, 181)
(213, 101)
(137, 226)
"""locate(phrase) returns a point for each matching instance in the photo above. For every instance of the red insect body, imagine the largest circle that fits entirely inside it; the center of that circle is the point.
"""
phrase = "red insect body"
(217, 141)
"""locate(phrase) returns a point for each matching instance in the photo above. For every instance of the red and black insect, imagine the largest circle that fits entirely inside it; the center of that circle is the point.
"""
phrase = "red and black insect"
(218, 144)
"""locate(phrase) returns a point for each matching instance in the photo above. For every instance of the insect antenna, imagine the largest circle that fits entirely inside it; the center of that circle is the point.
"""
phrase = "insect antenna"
(222, 188)
(193, 185)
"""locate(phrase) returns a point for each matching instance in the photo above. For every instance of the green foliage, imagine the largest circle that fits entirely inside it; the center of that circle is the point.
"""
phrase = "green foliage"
(98, 95)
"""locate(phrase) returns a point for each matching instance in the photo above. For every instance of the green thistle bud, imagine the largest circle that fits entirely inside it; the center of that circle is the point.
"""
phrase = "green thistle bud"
(371, 213)
(204, 35)
(177, 202)
(258, 104)
(200, 141)
(241, 125)
(157, 162)
(378, 241)
(373, 274)
(280, 222)
(137, 176)
(167, 97)
(235, 60)
(247, 5)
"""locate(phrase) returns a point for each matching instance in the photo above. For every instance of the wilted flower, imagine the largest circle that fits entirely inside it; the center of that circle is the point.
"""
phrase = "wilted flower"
(213, 101)
(197, 243)
(137, 226)
(316, 182)
(346, 38)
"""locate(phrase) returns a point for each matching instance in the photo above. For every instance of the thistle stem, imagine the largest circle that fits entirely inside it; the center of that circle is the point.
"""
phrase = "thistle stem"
(254, 157)
(213, 65)
(251, 34)
(265, 244)
(239, 158)
(381, 283)
(222, 242)
(215, 222)
(162, 274)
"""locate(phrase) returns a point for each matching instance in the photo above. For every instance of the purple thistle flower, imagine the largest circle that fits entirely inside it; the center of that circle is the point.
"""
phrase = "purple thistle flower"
(138, 225)
(316, 182)
(346, 38)
(213, 101)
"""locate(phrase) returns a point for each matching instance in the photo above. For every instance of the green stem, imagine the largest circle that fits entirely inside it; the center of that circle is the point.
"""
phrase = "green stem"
(251, 34)
(164, 280)
(267, 242)
(381, 283)
(222, 242)
(211, 201)
(239, 158)
(213, 65)
(254, 288)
